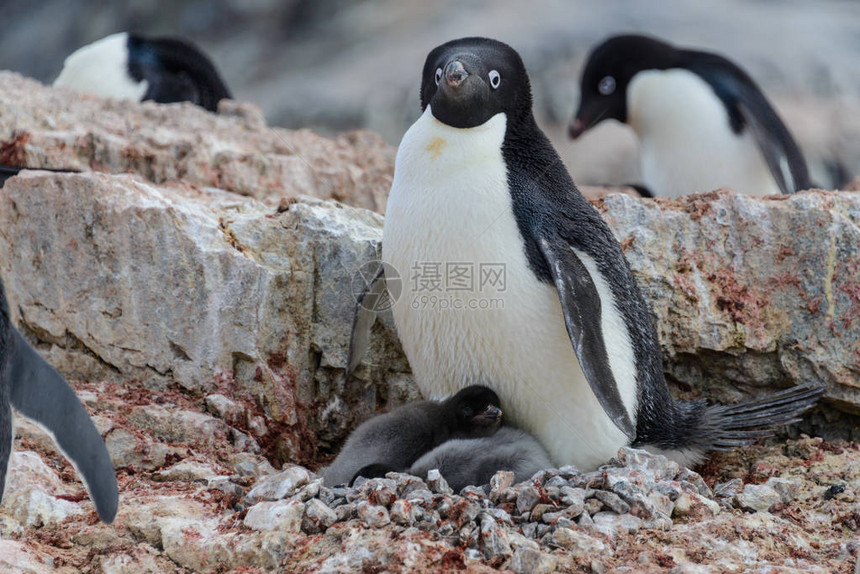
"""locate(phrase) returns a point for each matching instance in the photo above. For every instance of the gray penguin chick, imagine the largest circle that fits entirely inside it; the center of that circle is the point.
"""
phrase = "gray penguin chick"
(465, 462)
(391, 442)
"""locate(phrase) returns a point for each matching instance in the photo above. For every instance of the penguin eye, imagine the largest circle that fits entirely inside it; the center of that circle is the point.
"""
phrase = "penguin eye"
(467, 411)
(606, 86)
(438, 75)
(495, 79)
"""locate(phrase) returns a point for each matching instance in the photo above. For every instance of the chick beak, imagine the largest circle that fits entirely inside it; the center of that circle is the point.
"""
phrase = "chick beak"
(491, 413)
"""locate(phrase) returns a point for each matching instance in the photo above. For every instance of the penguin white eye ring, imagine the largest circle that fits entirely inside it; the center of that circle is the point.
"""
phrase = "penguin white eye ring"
(495, 79)
(438, 75)
(606, 86)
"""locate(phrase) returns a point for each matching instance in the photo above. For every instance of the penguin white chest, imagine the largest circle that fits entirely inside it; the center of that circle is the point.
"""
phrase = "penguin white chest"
(472, 311)
(686, 142)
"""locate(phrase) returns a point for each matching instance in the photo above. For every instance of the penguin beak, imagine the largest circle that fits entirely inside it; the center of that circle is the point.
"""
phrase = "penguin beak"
(461, 99)
(577, 127)
(455, 74)
(589, 114)
(491, 413)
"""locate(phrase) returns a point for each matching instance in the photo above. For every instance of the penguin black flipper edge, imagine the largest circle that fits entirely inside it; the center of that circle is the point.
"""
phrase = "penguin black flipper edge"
(41, 394)
(581, 305)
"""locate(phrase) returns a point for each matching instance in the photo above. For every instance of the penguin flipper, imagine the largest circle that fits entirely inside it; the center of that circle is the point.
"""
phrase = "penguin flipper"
(365, 317)
(581, 305)
(751, 108)
(41, 394)
(6, 436)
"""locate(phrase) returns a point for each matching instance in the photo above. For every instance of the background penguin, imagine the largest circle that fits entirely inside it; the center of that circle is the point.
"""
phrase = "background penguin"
(393, 441)
(569, 344)
(474, 461)
(130, 66)
(701, 121)
(38, 392)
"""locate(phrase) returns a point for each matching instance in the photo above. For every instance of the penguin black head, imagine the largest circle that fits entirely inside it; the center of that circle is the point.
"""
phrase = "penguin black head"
(475, 410)
(609, 69)
(467, 81)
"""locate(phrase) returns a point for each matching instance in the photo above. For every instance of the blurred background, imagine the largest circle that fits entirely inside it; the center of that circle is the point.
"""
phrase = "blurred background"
(334, 65)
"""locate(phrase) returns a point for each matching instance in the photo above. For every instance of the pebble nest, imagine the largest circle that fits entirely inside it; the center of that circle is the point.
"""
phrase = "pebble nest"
(514, 525)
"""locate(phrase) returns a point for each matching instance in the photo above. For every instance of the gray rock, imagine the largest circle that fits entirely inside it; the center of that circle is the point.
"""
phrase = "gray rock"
(419, 496)
(34, 493)
(437, 482)
(571, 495)
(593, 505)
(757, 497)
(656, 465)
(224, 408)
(539, 510)
(728, 489)
(187, 471)
(310, 490)
(371, 514)
(285, 515)
(527, 499)
(501, 481)
(318, 516)
(128, 448)
(379, 490)
(281, 485)
(530, 561)
(579, 544)
(584, 519)
(694, 480)
(786, 488)
(347, 511)
(669, 488)
(402, 512)
(612, 501)
(569, 512)
(494, 542)
(694, 505)
(247, 464)
(612, 523)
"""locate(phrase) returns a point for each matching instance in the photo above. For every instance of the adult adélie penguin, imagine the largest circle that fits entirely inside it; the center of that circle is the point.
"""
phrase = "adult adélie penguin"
(565, 337)
(38, 392)
(702, 122)
(135, 67)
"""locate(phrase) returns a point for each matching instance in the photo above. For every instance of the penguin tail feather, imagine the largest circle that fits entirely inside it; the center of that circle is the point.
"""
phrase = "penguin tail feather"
(724, 427)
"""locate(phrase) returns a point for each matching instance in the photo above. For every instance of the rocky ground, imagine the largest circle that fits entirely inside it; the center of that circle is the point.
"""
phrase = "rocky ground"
(193, 499)
(200, 305)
